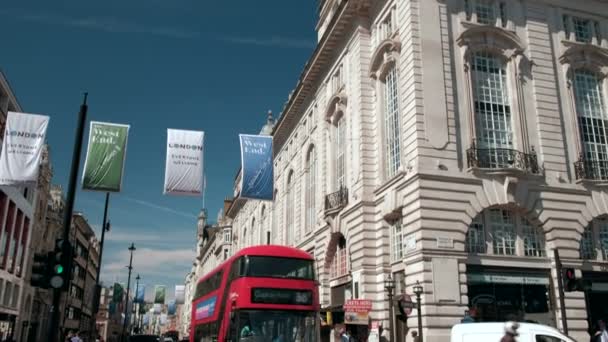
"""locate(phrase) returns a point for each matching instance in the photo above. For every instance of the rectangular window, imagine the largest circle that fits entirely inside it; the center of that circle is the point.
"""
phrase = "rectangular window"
(485, 11)
(533, 239)
(397, 238)
(392, 127)
(339, 265)
(603, 237)
(311, 191)
(24, 237)
(6, 237)
(341, 153)
(7, 294)
(582, 30)
(12, 253)
(227, 236)
(3, 200)
(492, 111)
(476, 237)
(593, 125)
(587, 249)
(503, 229)
(289, 212)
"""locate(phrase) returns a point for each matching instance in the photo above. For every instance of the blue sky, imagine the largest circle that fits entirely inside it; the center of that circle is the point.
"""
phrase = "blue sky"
(216, 66)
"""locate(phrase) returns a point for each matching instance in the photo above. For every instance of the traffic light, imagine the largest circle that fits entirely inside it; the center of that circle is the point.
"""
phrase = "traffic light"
(569, 280)
(41, 270)
(61, 270)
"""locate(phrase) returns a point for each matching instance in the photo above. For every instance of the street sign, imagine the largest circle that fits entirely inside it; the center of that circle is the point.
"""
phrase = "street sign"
(358, 305)
(406, 305)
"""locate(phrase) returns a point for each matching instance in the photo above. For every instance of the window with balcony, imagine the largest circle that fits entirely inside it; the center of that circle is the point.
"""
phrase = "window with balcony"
(593, 124)
(582, 30)
(289, 209)
(397, 240)
(385, 28)
(337, 80)
(392, 135)
(594, 242)
(311, 189)
(486, 12)
(500, 231)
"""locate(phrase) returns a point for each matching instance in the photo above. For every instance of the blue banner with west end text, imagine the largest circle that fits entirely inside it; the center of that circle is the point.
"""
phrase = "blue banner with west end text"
(257, 174)
(141, 292)
(171, 308)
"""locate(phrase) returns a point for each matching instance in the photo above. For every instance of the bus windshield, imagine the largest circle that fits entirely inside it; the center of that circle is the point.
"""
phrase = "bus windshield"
(275, 267)
(276, 326)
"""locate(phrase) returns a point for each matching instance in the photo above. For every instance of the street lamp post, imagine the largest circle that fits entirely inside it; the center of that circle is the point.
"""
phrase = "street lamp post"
(130, 267)
(389, 285)
(418, 291)
(136, 302)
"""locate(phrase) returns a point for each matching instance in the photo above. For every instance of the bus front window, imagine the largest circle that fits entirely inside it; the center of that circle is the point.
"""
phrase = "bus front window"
(276, 326)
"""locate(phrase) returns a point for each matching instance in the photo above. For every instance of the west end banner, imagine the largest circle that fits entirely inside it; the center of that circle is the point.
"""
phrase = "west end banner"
(180, 294)
(104, 164)
(159, 294)
(24, 138)
(184, 164)
(257, 174)
(140, 293)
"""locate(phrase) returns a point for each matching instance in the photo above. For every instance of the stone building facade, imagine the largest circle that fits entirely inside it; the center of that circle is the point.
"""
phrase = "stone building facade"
(454, 144)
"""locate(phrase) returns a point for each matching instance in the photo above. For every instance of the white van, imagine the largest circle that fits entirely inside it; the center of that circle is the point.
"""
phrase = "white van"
(493, 332)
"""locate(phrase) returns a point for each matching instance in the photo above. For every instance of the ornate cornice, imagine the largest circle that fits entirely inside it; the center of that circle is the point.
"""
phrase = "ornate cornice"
(585, 56)
(490, 38)
(386, 54)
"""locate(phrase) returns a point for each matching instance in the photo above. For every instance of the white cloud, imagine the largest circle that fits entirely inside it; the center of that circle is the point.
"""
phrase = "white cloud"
(106, 24)
(271, 41)
(159, 207)
(148, 262)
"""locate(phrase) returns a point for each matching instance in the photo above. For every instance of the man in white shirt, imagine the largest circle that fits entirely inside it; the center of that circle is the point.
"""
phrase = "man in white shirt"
(603, 331)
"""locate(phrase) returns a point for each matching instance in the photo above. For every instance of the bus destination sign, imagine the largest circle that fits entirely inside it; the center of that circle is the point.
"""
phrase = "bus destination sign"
(281, 296)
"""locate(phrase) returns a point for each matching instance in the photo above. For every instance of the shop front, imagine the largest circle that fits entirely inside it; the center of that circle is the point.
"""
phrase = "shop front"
(596, 295)
(502, 294)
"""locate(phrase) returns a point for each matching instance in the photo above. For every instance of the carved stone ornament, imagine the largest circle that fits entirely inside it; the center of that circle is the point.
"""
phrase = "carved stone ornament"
(585, 56)
(384, 57)
(492, 39)
(336, 107)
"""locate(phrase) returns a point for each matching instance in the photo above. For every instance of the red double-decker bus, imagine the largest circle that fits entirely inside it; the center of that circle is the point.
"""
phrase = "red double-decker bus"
(262, 293)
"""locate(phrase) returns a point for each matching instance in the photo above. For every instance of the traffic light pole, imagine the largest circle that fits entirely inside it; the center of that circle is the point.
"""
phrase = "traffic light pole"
(104, 226)
(67, 214)
(560, 289)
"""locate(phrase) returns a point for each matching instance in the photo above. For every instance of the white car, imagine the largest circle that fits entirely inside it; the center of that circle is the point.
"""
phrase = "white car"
(485, 332)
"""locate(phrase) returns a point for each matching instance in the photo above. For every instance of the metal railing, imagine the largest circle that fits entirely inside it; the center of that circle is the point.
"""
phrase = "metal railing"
(591, 169)
(337, 200)
(502, 158)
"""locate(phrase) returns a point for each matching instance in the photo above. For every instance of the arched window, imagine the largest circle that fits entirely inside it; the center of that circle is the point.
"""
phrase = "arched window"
(340, 148)
(289, 209)
(502, 231)
(311, 189)
(340, 265)
(392, 135)
(492, 110)
(591, 113)
(594, 242)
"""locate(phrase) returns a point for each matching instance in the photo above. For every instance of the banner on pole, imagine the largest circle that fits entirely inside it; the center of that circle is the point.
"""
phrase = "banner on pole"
(184, 164)
(159, 294)
(180, 294)
(141, 293)
(171, 307)
(24, 137)
(256, 167)
(105, 160)
(117, 293)
(163, 319)
(157, 308)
